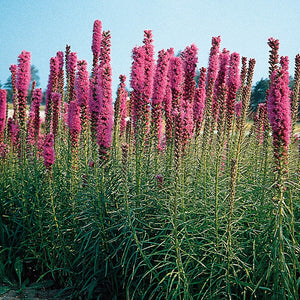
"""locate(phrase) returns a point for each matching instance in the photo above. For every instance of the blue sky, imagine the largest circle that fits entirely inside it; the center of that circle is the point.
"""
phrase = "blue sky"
(44, 27)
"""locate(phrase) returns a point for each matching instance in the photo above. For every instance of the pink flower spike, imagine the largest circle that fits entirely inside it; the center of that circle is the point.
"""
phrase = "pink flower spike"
(74, 122)
(96, 44)
(3, 95)
(22, 84)
(49, 153)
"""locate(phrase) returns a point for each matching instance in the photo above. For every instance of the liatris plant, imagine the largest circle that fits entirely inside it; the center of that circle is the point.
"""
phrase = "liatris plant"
(295, 94)
(176, 79)
(56, 102)
(49, 153)
(136, 82)
(199, 102)
(212, 70)
(71, 67)
(233, 85)
(190, 59)
(122, 95)
(60, 83)
(167, 104)
(105, 121)
(22, 84)
(51, 88)
(13, 70)
(82, 92)
(274, 56)
(96, 44)
(95, 102)
(74, 123)
(104, 77)
(3, 95)
(220, 80)
(159, 87)
(279, 112)
(149, 64)
(244, 70)
(36, 100)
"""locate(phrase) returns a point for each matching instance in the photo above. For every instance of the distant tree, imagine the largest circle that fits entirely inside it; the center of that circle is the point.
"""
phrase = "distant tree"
(258, 93)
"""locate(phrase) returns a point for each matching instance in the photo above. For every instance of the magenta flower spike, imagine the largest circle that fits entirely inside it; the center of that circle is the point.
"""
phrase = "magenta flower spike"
(82, 91)
(22, 84)
(13, 69)
(56, 99)
(199, 101)
(3, 98)
(51, 87)
(233, 84)
(176, 83)
(220, 80)
(95, 101)
(60, 74)
(149, 67)
(74, 122)
(142, 75)
(168, 104)
(72, 62)
(136, 82)
(159, 88)
(190, 59)
(36, 101)
(123, 104)
(213, 65)
(105, 121)
(279, 110)
(49, 153)
(96, 44)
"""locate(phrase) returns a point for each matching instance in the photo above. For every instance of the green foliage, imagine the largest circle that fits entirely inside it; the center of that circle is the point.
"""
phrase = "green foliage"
(113, 231)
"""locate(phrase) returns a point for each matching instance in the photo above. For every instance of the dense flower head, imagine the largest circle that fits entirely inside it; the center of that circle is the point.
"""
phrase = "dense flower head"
(72, 61)
(13, 69)
(95, 100)
(49, 153)
(274, 56)
(137, 84)
(190, 59)
(22, 84)
(60, 83)
(13, 130)
(23, 73)
(123, 103)
(105, 48)
(82, 83)
(167, 103)
(159, 87)
(243, 71)
(149, 65)
(3, 95)
(105, 121)
(82, 92)
(233, 84)
(36, 101)
(199, 101)
(224, 57)
(279, 109)
(96, 44)
(74, 122)
(213, 62)
(56, 99)
(295, 92)
(51, 87)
